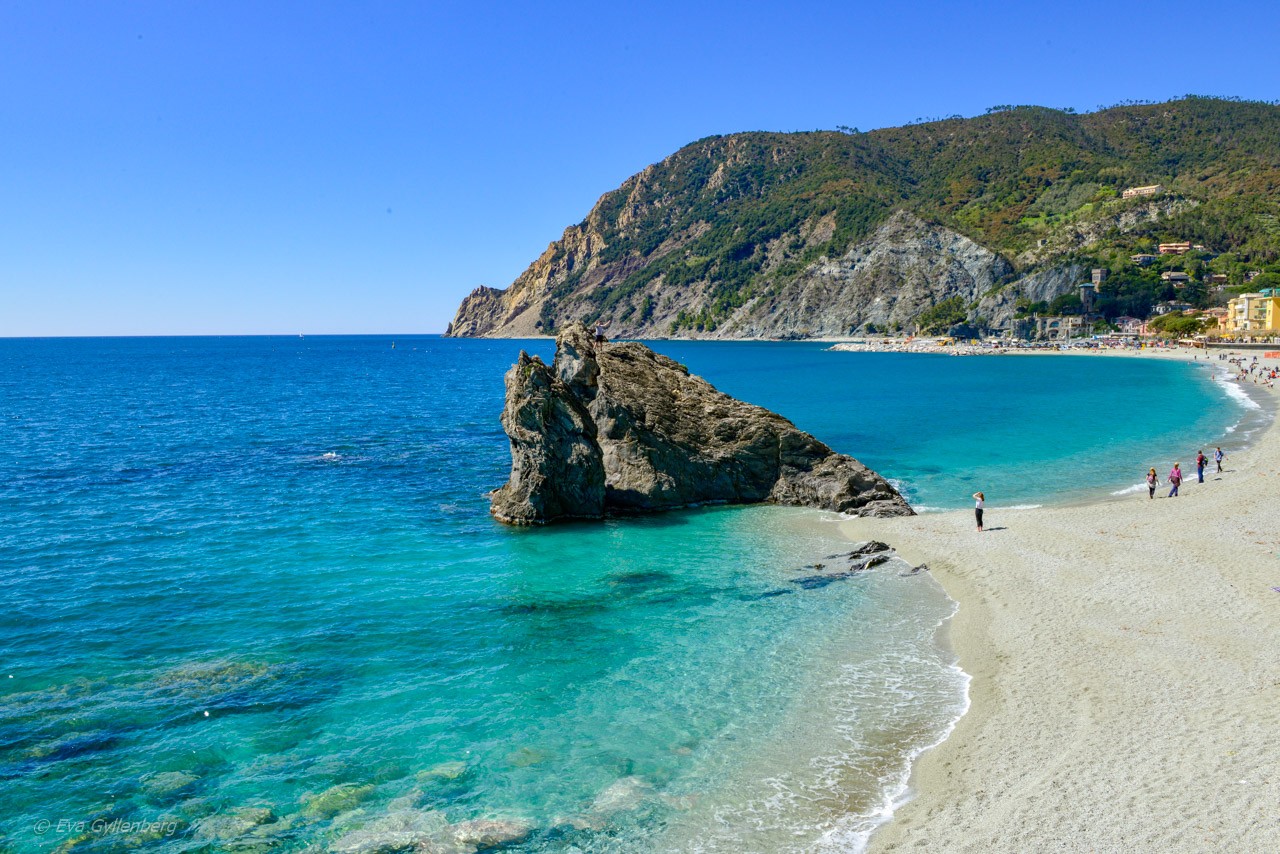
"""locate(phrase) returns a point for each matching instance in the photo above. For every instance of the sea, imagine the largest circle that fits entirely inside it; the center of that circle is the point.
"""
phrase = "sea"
(254, 599)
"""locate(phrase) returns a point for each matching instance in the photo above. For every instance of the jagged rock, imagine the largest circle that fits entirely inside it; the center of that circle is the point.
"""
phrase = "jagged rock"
(866, 556)
(556, 466)
(904, 267)
(618, 427)
(883, 282)
(870, 547)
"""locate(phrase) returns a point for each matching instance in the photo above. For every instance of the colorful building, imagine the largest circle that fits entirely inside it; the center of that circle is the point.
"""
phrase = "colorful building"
(1253, 315)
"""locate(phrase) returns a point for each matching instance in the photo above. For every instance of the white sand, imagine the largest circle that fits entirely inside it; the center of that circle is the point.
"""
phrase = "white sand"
(1126, 671)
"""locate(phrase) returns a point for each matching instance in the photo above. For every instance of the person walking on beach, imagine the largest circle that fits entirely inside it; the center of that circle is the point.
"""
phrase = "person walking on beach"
(979, 500)
(1201, 459)
(1218, 457)
(1152, 483)
(1175, 480)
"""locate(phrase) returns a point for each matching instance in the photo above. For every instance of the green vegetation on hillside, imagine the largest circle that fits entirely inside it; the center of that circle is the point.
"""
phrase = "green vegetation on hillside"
(741, 215)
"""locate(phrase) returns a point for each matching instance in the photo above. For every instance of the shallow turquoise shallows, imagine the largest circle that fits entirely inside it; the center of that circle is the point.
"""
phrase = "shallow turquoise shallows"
(255, 599)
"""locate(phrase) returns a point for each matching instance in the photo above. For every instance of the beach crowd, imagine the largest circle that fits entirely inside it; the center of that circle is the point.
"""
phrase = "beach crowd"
(1246, 369)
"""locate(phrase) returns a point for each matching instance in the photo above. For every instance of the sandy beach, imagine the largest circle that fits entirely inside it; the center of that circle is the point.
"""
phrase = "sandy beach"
(1125, 663)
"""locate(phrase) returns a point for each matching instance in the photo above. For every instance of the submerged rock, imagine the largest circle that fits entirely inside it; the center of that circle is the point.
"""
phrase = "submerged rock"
(202, 679)
(622, 795)
(526, 756)
(167, 783)
(442, 771)
(491, 833)
(401, 830)
(71, 745)
(334, 800)
(619, 428)
(255, 823)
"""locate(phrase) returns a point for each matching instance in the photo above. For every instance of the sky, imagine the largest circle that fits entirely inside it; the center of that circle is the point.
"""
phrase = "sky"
(325, 168)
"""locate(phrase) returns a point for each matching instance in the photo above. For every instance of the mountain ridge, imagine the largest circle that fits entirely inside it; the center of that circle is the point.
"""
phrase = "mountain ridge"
(731, 236)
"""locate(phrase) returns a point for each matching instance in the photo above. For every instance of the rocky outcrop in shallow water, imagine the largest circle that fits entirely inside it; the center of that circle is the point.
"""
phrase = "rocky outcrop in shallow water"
(616, 427)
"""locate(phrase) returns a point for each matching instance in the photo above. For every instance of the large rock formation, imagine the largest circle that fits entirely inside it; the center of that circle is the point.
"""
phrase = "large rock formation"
(616, 427)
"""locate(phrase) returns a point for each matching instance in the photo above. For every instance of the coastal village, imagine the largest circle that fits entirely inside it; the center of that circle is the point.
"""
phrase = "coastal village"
(1201, 304)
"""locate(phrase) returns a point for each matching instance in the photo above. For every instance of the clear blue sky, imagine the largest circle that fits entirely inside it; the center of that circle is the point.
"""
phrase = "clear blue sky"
(281, 167)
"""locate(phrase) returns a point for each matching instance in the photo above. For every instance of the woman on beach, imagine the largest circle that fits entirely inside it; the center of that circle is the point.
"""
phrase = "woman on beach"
(1152, 483)
(1175, 480)
(979, 501)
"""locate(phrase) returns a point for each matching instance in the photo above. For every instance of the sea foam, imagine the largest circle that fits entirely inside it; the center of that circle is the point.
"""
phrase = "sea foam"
(1239, 395)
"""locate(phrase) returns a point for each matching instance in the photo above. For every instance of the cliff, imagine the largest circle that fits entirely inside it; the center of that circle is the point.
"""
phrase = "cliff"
(617, 428)
(826, 233)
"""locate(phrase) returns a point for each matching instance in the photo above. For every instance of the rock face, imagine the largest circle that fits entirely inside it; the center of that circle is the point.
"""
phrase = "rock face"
(882, 283)
(616, 427)
(557, 468)
(907, 266)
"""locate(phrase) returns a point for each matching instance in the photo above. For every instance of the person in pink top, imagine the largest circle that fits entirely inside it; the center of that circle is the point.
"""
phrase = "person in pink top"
(1175, 480)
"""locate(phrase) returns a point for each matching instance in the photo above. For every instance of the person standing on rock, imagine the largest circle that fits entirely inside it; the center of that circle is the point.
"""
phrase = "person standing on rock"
(1175, 480)
(600, 339)
(979, 501)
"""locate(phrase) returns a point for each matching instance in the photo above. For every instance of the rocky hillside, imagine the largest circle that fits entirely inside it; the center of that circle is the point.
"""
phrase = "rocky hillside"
(833, 233)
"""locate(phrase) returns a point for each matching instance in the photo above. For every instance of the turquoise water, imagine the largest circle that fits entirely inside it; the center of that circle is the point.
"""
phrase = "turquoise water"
(1023, 429)
(255, 599)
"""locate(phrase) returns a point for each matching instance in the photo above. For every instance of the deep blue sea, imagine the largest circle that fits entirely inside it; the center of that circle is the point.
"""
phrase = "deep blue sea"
(255, 601)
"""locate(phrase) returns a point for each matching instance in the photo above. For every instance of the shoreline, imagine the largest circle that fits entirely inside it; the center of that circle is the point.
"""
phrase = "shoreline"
(1123, 686)
(1254, 421)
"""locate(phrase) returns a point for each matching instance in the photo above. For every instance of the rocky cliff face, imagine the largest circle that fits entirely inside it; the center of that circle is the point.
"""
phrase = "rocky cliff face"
(557, 468)
(616, 427)
(882, 283)
(515, 312)
(907, 266)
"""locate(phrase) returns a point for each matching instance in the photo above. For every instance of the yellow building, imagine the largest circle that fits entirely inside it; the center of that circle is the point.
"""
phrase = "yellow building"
(1253, 315)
